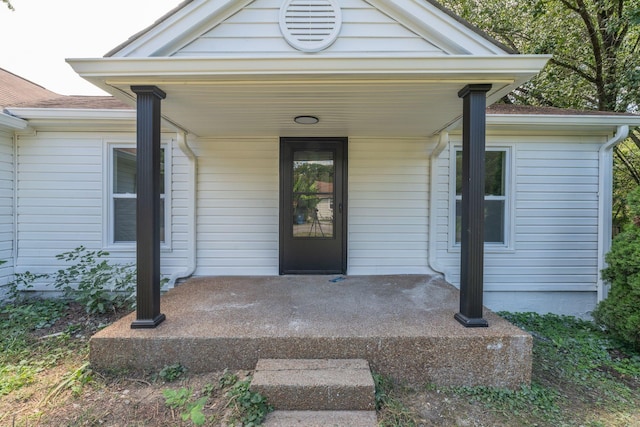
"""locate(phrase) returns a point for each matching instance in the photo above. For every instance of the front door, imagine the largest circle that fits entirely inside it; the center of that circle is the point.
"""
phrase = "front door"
(313, 207)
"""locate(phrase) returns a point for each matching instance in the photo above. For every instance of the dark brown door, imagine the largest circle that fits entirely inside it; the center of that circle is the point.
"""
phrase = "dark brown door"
(313, 207)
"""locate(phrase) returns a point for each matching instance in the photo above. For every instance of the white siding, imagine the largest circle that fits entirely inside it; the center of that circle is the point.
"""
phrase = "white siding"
(59, 197)
(554, 244)
(388, 206)
(255, 29)
(6, 206)
(238, 206)
(237, 213)
(62, 194)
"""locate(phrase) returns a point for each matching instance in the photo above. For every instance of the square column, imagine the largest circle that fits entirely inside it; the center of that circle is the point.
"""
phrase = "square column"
(148, 207)
(472, 239)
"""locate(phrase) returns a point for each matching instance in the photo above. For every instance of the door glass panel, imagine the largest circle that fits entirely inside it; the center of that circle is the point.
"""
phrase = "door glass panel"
(313, 194)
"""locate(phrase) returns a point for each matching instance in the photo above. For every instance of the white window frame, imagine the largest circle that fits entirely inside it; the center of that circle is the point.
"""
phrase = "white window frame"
(509, 197)
(109, 242)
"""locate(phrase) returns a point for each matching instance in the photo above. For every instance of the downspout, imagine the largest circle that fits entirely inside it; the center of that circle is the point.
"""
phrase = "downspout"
(191, 211)
(16, 138)
(605, 196)
(443, 142)
(14, 249)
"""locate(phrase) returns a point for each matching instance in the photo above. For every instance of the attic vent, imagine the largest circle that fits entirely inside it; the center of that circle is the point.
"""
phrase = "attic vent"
(310, 25)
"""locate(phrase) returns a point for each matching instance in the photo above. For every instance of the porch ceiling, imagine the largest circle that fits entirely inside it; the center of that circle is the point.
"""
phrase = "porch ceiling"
(397, 97)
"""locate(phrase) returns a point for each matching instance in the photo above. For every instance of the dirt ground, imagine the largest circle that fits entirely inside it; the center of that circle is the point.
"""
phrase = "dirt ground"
(70, 395)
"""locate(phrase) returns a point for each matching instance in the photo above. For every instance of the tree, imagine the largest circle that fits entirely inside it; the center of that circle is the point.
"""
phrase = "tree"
(595, 66)
(619, 312)
(595, 46)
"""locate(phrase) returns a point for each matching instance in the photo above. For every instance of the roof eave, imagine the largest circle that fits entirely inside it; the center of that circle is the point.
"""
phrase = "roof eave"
(550, 120)
(11, 122)
(76, 119)
(238, 68)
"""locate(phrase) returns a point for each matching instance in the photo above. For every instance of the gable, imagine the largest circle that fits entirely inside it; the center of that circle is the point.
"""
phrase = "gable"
(215, 28)
(256, 30)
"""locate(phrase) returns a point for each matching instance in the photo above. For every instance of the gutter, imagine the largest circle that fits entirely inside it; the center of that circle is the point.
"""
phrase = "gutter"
(19, 126)
(443, 142)
(605, 196)
(191, 212)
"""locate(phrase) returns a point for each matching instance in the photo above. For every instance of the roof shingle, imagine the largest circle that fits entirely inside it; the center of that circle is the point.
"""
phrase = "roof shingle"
(17, 90)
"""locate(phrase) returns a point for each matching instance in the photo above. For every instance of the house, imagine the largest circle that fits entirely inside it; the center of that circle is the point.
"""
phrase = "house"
(222, 102)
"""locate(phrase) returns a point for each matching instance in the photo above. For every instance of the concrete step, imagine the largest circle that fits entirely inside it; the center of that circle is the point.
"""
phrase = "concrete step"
(321, 419)
(315, 384)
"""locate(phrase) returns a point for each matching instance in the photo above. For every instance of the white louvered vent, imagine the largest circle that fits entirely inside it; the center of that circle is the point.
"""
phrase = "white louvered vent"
(310, 25)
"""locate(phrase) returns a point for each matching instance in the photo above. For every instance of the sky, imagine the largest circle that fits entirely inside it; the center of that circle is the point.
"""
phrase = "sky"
(38, 36)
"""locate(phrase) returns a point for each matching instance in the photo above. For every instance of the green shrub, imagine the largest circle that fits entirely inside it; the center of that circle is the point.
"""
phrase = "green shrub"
(95, 283)
(620, 312)
(90, 280)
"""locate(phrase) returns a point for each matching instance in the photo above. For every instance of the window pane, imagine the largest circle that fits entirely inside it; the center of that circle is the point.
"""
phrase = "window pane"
(494, 211)
(494, 221)
(494, 173)
(124, 174)
(124, 221)
(313, 194)
(125, 182)
(458, 173)
(494, 163)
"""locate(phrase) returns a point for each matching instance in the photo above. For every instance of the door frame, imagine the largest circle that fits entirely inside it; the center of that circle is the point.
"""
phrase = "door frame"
(285, 210)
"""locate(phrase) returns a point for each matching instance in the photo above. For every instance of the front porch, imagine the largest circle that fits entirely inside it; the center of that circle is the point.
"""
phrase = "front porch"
(403, 325)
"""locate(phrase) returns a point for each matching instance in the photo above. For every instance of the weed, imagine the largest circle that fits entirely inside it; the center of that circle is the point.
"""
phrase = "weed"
(180, 400)
(208, 390)
(95, 283)
(171, 373)
(577, 350)
(175, 399)
(382, 384)
(391, 411)
(539, 400)
(250, 407)
(74, 381)
(228, 379)
(396, 414)
(21, 282)
(90, 280)
(15, 377)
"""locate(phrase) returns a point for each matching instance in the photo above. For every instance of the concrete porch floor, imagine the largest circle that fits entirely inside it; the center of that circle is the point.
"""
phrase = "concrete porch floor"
(403, 325)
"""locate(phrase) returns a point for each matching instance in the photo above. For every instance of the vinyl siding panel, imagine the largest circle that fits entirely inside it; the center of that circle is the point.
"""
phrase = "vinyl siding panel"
(555, 218)
(238, 204)
(388, 206)
(6, 207)
(255, 30)
(63, 198)
(60, 197)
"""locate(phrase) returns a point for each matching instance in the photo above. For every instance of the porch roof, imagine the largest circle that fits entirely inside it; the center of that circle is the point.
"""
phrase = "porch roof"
(371, 96)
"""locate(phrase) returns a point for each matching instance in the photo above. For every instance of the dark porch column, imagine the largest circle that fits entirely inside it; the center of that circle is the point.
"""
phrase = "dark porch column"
(472, 239)
(148, 207)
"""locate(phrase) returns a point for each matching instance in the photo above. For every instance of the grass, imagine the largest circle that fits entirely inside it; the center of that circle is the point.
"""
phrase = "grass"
(22, 356)
(581, 377)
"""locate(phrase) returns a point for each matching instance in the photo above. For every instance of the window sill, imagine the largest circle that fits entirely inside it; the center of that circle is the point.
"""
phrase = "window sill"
(131, 247)
(488, 249)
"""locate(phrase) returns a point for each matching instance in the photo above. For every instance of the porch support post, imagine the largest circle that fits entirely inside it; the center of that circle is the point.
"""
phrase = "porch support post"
(148, 207)
(472, 239)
